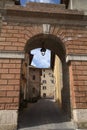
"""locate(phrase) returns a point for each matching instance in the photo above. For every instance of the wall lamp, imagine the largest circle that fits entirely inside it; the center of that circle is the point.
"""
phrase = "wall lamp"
(43, 50)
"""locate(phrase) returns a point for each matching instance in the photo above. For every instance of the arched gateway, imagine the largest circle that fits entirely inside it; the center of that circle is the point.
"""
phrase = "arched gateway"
(23, 29)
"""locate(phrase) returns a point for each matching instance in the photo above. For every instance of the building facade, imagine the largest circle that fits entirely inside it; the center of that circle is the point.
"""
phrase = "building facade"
(33, 89)
(24, 82)
(47, 83)
(78, 5)
(67, 37)
(57, 69)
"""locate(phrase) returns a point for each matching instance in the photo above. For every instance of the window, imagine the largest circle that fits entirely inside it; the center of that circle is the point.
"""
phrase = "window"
(43, 70)
(49, 73)
(33, 90)
(33, 77)
(44, 75)
(44, 95)
(44, 87)
(44, 81)
(52, 81)
(52, 75)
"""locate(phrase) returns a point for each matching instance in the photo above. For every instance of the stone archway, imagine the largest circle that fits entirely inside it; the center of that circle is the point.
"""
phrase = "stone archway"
(54, 43)
(36, 42)
(16, 29)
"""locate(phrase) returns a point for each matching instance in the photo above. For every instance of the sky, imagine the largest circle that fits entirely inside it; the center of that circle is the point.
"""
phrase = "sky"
(40, 61)
(23, 2)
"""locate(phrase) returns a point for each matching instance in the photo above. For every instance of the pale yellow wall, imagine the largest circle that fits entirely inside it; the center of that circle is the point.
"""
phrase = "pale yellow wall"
(58, 80)
(50, 86)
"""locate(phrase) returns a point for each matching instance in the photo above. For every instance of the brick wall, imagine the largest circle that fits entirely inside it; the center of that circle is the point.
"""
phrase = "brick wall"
(14, 38)
(78, 79)
(76, 41)
(9, 83)
(67, 28)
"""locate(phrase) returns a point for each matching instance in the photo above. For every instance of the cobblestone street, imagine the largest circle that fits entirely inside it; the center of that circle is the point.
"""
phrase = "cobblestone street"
(44, 115)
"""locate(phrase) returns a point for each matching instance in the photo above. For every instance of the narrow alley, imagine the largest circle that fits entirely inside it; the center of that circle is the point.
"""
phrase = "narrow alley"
(44, 115)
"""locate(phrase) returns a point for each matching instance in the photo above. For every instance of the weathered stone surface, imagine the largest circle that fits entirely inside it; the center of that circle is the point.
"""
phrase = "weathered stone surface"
(8, 119)
(78, 5)
(82, 125)
(8, 127)
(76, 57)
(80, 117)
(8, 54)
(8, 116)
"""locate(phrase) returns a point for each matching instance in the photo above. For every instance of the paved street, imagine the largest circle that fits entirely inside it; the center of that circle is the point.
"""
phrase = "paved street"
(44, 115)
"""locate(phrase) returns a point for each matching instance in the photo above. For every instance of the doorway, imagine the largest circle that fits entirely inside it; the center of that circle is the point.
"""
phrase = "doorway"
(62, 92)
